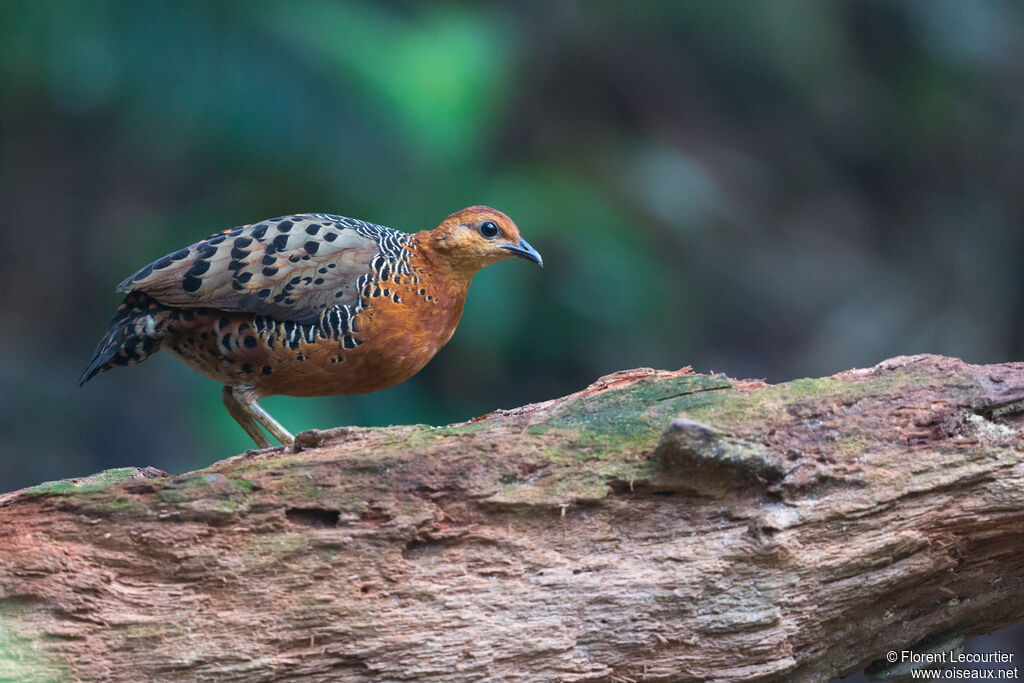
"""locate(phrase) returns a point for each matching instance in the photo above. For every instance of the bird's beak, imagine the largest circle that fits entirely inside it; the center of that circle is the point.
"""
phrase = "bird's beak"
(524, 250)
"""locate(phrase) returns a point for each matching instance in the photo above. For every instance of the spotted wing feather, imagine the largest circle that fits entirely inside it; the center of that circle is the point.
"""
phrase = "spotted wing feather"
(289, 268)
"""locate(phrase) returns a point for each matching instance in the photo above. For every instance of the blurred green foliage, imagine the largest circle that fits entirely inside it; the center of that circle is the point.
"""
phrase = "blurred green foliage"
(768, 189)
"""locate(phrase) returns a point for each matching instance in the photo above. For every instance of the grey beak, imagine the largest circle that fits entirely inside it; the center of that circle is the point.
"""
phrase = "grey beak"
(524, 250)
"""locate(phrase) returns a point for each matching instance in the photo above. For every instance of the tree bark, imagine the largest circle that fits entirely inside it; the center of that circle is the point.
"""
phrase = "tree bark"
(654, 526)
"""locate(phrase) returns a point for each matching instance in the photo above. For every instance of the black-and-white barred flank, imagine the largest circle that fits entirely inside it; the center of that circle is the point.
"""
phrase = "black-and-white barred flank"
(335, 323)
(393, 243)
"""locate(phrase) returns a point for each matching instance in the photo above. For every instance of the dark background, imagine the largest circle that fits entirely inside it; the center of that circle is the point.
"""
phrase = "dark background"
(768, 189)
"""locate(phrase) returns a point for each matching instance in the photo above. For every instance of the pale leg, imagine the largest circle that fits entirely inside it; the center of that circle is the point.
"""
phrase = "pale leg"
(241, 404)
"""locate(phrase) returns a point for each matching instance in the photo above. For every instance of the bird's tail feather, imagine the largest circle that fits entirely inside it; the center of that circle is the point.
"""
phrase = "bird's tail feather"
(134, 334)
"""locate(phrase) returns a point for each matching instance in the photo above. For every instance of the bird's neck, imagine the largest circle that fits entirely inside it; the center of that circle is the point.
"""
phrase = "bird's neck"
(443, 283)
(430, 255)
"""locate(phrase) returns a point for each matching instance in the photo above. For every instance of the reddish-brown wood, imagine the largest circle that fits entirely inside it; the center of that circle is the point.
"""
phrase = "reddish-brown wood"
(655, 526)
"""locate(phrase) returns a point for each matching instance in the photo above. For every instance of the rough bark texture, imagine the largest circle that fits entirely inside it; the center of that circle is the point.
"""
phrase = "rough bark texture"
(655, 526)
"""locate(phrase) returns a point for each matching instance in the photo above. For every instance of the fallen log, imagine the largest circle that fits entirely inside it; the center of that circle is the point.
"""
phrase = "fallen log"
(654, 526)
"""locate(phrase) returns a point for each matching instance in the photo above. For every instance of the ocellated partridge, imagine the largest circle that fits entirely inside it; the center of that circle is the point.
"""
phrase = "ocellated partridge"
(306, 305)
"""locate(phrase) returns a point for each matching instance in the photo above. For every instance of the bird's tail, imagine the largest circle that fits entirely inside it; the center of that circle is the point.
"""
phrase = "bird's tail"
(135, 333)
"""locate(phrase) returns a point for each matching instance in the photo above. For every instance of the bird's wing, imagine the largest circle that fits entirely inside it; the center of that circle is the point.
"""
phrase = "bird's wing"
(288, 268)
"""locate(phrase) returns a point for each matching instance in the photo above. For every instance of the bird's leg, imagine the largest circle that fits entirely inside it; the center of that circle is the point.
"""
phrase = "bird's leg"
(244, 418)
(269, 423)
(241, 403)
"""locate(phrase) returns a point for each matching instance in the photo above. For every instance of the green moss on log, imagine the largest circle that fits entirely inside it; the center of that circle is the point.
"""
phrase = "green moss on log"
(568, 452)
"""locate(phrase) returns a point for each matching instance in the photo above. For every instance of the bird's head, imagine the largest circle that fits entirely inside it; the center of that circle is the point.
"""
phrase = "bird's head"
(476, 237)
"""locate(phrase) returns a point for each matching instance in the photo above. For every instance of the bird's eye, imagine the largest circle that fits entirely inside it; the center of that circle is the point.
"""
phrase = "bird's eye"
(489, 229)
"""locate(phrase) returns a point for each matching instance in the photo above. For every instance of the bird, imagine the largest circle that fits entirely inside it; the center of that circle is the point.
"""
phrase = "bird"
(310, 304)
